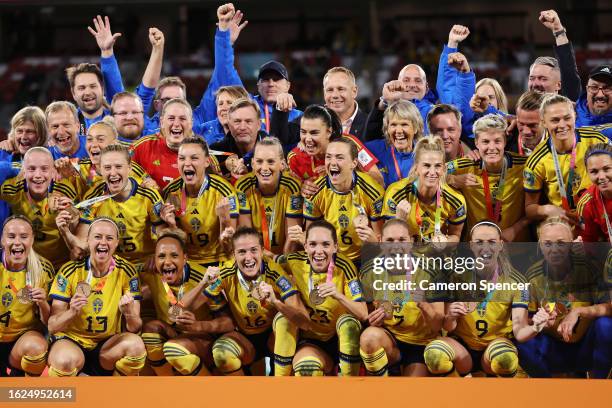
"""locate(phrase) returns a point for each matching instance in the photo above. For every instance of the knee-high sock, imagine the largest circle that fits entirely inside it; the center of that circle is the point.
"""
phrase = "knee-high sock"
(130, 365)
(184, 361)
(285, 340)
(308, 366)
(348, 329)
(503, 356)
(154, 343)
(34, 365)
(55, 372)
(226, 353)
(376, 363)
(439, 358)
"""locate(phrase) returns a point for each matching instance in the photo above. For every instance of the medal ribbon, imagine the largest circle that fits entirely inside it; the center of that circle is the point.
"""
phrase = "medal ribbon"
(328, 276)
(438, 215)
(567, 197)
(605, 214)
(267, 229)
(203, 188)
(102, 282)
(245, 285)
(482, 306)
(494, 212)
(398, 171)
(28, 275)
(170, 295)
(267, 117)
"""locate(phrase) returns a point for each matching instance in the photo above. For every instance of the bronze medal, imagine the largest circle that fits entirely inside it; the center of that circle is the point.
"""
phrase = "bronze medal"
(53, 202)
(360, 221)
(24, 295)
(175, 201)
(231, 163)
(83, 288)
(387, 307)
(470, 306)
(257, 294)
(314, 297)
(74, 212)
(174, 312)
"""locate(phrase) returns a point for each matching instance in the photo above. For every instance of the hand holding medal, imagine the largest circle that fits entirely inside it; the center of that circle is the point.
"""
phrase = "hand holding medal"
(386, 306)
(402, 211)
(318, 292)
(263, 292)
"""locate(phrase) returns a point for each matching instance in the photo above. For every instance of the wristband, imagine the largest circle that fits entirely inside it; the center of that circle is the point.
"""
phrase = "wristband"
(384, 103)
(559, 33)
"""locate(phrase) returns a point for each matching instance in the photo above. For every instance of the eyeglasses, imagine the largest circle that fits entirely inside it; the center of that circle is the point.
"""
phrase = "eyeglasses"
(164, 100)
(124, 114)
(594, 89)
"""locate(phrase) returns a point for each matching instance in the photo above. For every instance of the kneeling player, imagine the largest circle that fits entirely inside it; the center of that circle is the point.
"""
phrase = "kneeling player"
(25, 278)
(480, 331)
(401, 325)
(256, 289)
(179, 338)
(328, 283)
(90, 297)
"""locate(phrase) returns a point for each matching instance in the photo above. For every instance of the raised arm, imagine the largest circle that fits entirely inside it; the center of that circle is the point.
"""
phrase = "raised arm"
(150, 78)
(108, 63)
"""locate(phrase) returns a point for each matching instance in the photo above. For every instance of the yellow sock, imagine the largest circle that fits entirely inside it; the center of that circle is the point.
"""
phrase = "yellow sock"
(184, 361)
(439, 358)
(348, 329)
(226, 353)
(503, 356)
(130, 365)
(376, 363)
(34, 365)
(154, 343)
(55, 372)
(285, 341)
(308, 367)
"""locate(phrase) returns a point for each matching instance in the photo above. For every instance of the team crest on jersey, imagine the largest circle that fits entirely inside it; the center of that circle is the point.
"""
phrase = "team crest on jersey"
(61, 283)
(283, 284)
(242, 199)
(391, 205)
(7, 299)
(355, 288)
(296, 203)
(97, 305)
(195, 224)
(232, 203)
(343, 221)
(157, 208)
(252, 306)
(134, 284)
(529, 178)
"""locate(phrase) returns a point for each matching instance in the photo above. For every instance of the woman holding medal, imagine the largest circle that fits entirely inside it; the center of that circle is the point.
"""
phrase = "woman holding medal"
(403, 127)
(256, 289)
(346, 198)
(25, 279)
(134, 209)
(403, 322)
(91, 298)
(269, 198)
(179, 339)
(578, 336)
(493, 185)
(597, 199)
(330, 289)
(479, 332)
(190, 200)
(434, 211)
(556, 167)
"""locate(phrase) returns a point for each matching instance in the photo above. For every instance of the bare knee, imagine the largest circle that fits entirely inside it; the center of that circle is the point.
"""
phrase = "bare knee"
(372, 339)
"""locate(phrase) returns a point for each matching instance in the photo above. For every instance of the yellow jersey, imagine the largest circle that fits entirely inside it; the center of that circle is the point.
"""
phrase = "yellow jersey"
(251, 316)
(492, 317)
(323, 317)
(199, 219)
(339, 209)
(47, 239)
(511, 198)
(539, 174)
(100, 318)
(193, 275)
(15, 317)
(453, 208)
(580, 289)
(135, 218)
(407, 323)
(286, 202)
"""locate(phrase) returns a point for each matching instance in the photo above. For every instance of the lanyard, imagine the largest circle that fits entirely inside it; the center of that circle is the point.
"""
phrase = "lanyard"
(267, 228)
(494, 204)
(328, 276)
(245, 285)
(482, 306)
(102, 282)
(398, 171)
(28, 275)
(203, 188)
(567, 197)
(438, 216)
(605, 214)
(170, 295)
(267, 119)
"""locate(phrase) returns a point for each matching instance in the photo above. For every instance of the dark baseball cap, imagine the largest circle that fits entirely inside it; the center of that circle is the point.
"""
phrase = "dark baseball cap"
(273, 66)
(602, 72)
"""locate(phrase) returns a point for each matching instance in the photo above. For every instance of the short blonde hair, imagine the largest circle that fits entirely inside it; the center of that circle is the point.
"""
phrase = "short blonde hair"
(433, 144)
(57, 106)
(244, 103)
(36, 116)
(176, 101)
(500, 95)
(404, 110)
(490, 121)
(340, 70)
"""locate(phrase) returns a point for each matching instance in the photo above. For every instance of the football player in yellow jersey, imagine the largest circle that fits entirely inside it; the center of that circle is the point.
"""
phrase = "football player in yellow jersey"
(270, 193)
(562, 152)
(398, 335)
(91, 298)
(433, 210)
(190, 202)
(24, 310)
(330, 289)
(256, 289)
(87, 171)
(179, 339)
(579, 334)
(493, 185)
(30, 197)
(135, 209)
(480, 332)
(346, 198)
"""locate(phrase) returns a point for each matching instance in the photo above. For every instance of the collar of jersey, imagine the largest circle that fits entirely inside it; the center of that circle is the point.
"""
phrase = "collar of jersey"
(550, 141)
(275, 191)
(132, 192)
(332, 188)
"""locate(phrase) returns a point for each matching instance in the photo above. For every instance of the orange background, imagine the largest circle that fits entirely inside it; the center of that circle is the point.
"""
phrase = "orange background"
(270, 392)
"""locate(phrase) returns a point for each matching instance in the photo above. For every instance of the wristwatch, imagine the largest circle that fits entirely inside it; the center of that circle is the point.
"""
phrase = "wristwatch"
(559, 33)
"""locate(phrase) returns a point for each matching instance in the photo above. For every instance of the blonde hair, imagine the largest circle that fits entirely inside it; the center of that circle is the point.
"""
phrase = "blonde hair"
(340, 70)
(429, 144)
(244, 103)
(404, 110)
(33, 263)
(556, 220)
(176, 101)
(36, 116)
(490, 121)
(234, 91)
(500, 95)
(40, 149)
(103, 219)
(553, 99)
(108, 123)
(57, 106)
